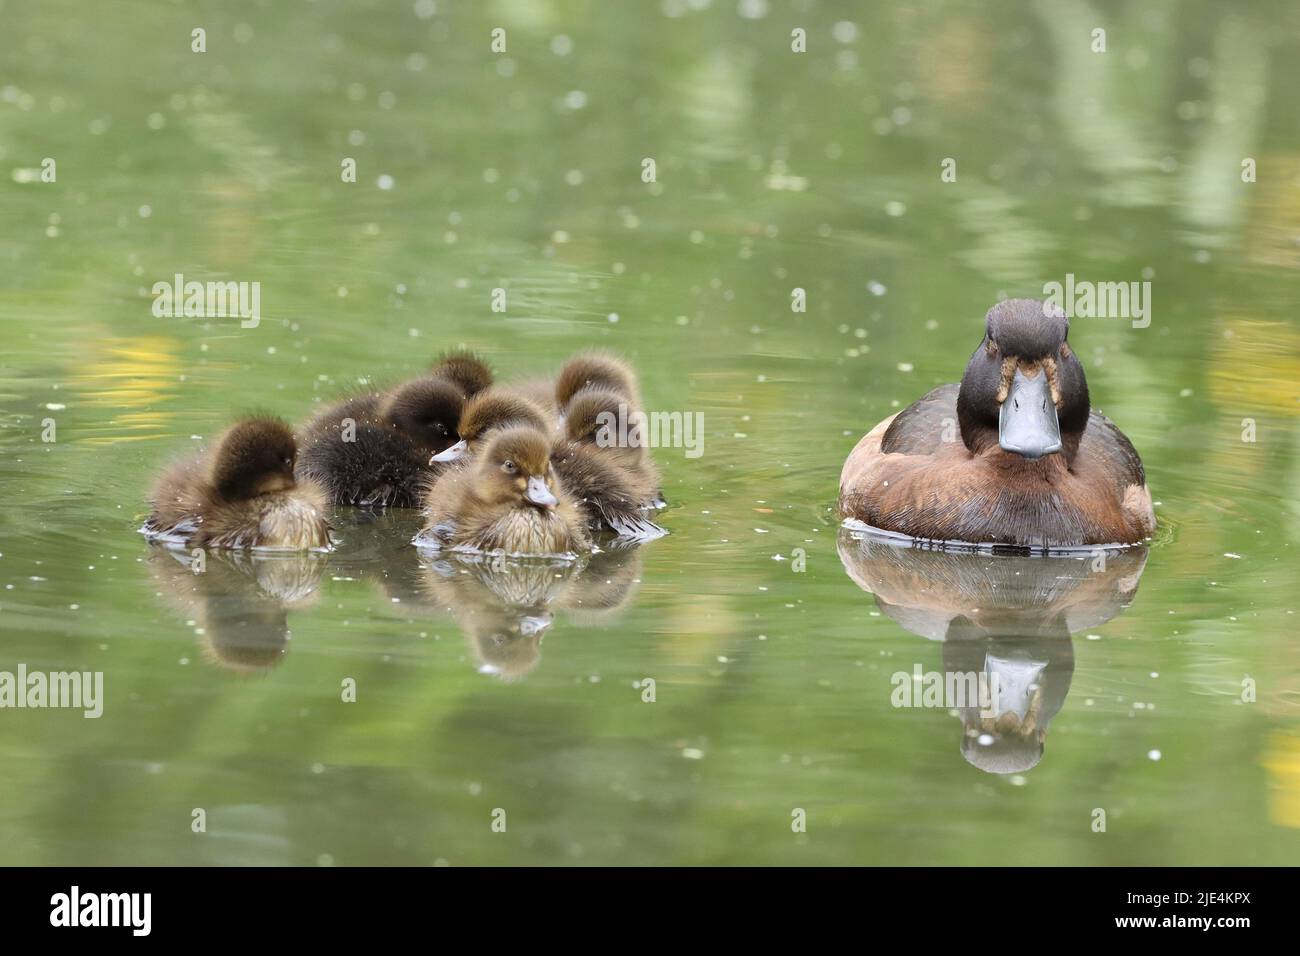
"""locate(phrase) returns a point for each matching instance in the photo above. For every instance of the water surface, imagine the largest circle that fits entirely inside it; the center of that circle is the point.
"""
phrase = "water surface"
(522, 689)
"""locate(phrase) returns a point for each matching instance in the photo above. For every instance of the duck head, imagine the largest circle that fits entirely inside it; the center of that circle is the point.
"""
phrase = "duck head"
(1024, 388)
(594, 369)
(516, 470)
(426, 410)
(488, 412)
(255, 457)
(463, 369)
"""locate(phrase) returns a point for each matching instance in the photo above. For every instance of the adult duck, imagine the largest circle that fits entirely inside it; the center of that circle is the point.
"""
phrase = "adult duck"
(1014, 455)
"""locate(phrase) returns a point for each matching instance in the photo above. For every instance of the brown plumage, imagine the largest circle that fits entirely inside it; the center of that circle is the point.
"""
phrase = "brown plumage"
(599, 370)
(374, 449)
(465, 370)
(941, 469)
(540, 390)
(614, 481)
(241, 494)
(488, 412)
(510, 501)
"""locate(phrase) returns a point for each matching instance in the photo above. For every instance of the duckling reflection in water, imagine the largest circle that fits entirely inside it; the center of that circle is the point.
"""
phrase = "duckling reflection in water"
(239, 601)
(506, 606)
(1007, 618)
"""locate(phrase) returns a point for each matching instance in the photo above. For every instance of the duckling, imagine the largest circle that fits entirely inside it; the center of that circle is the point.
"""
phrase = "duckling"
(374, 449)
(596, 369)
(485, 413)
(604, 373)
(242, 494)
(1035, 466)
(465, 370)
(613, 483)
(509, 502)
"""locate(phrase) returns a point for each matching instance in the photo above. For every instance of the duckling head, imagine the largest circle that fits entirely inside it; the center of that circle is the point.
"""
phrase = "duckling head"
(592, 409)
(465, 370)
(488, 412)
(254, 457)
(516, 470)
(1024, 388)
(426, 410)
(596, 369)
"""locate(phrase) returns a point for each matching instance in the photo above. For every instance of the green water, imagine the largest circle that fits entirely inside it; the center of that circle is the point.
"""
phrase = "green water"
(772, 667)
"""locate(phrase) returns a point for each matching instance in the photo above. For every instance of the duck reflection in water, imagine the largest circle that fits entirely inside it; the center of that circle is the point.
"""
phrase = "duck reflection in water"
(505, 606)
(1006, 618)
(239, 600)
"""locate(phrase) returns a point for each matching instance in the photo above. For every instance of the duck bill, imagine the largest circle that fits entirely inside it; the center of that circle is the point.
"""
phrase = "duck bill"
(1027, 423)
(456, 451)
(532, 625)
(539, 494)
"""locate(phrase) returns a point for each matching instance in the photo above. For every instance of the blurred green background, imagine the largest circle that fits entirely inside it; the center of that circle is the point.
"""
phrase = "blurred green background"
(522, 170)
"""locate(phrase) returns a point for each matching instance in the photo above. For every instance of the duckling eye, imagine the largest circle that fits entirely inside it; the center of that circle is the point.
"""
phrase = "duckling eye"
(509, 467)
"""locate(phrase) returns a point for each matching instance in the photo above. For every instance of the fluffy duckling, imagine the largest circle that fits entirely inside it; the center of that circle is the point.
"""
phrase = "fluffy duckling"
(508, 502)
(374, 449)
(486, 413)
(465, 370)
(598, 370)
(242, 494)
(591, 374)
(613, 483)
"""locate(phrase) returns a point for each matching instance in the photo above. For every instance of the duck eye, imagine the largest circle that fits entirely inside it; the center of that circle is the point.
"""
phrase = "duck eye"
(509, 467)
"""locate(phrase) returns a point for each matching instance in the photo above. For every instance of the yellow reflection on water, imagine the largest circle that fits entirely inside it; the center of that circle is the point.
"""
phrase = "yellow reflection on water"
(132, 374)
(1282, 760)
(1254, 367)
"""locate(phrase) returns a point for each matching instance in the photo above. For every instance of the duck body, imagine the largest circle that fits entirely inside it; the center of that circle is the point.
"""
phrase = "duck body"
(1013, 456)
(609, 495)
(509, 501)
(517, 531)
(241, 494)
(361, 459)
(374, 449)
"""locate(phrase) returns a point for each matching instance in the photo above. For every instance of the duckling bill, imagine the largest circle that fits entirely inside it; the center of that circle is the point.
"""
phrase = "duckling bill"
(241, 494)
(486, 413)
(1029, 463)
